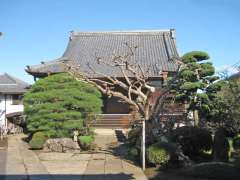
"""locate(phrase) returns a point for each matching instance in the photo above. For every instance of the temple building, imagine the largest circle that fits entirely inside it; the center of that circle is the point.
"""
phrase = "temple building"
(11, 105)
(155, 51)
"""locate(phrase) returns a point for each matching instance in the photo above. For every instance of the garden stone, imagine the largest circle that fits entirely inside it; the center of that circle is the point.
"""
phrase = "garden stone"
(61, 145)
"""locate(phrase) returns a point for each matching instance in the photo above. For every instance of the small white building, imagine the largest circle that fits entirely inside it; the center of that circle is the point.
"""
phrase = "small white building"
(11, 93)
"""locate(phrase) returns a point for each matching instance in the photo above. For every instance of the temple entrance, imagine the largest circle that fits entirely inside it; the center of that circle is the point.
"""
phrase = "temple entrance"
(115, 105)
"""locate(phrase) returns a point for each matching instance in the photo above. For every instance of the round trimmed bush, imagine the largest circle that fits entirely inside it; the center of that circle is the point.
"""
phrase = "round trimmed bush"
(86, 142)
(193, 140)
(160, 153)
(236, 143)
(38, 140)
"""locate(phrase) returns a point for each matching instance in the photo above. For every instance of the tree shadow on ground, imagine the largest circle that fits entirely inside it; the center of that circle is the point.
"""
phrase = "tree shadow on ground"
(120, 176)
(121, 148)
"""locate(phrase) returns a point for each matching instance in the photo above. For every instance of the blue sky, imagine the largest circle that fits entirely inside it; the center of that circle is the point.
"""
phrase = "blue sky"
(37, 31)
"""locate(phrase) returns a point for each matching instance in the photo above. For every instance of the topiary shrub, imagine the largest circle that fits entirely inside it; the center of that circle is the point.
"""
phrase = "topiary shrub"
(236, 143)
(38, 139)
(193, 140)
(86, 142)
(160, 153)
(57, 104)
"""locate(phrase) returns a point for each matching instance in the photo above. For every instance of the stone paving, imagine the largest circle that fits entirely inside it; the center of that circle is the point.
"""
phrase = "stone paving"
(3, 155)
(23, 163)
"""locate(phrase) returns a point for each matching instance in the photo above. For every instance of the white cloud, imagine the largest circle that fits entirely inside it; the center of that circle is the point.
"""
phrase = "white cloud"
(227, 70)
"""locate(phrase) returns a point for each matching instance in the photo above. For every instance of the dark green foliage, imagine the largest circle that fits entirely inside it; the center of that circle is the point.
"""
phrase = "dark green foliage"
(191, 86)
(206, 69)
(86, 142)
(213, 170)
(58, 103)
(193, 140)
(195, 56)
(195, 84)
(133, 153)
(224, 105)
(236, 143)
(38, 139)
(160, 153)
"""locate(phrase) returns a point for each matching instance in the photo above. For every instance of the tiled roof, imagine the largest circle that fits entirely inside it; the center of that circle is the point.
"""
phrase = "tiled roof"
(235, 76)
(155, 51)
(9, 84)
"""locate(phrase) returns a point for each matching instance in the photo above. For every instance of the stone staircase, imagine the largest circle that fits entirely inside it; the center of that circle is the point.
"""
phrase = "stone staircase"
(112, 121)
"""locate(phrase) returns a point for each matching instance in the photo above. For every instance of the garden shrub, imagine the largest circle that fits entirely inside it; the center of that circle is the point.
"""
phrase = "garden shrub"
(133, 153)
(57, 104)
(38, 140)
(86, 142)
(193, 140)
(160, 153)
(236, 143)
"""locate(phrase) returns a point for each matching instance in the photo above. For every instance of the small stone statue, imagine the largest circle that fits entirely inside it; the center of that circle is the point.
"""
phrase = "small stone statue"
(75, 135)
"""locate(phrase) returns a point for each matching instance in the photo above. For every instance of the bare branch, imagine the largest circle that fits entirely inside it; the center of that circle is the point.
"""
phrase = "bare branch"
(133, 81)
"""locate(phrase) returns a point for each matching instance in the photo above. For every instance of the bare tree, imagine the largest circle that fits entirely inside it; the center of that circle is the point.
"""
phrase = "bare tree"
(133, 86)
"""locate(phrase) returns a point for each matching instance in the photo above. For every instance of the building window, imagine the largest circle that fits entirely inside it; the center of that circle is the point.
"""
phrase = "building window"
(16, 99)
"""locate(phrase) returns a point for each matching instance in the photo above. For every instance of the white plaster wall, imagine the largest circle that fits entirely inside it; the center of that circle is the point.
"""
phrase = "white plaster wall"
(9, 107)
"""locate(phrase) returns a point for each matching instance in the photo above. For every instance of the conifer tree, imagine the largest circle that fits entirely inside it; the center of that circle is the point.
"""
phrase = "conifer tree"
(196, 83)
(58, 103)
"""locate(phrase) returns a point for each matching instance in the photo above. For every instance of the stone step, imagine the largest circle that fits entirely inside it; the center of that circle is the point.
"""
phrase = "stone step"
(111, 121)
(111, 126)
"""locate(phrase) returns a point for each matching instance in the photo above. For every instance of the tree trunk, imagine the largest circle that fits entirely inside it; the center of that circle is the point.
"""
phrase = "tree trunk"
(146, 117)
(195, 117)
(143, 144)
(195, 112)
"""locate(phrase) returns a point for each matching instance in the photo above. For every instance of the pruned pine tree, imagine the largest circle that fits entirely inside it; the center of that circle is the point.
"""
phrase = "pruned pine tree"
(196, 83)
(58, 104)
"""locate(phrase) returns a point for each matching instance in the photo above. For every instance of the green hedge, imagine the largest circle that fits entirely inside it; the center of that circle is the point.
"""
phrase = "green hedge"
(38, 140)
